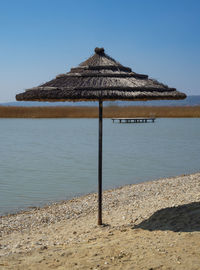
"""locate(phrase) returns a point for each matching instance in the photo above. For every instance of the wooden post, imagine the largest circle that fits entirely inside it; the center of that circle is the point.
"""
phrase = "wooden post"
(100, 164)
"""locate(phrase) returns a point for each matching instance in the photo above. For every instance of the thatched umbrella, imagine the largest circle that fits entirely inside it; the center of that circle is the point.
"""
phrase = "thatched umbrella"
(100, 78)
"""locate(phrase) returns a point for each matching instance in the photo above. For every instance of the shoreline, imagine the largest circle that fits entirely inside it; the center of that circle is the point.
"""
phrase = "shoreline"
(109, 112)
(29, 209)
(140, 219)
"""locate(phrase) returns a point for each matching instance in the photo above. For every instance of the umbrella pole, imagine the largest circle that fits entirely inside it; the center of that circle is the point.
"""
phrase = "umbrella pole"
(100, 164)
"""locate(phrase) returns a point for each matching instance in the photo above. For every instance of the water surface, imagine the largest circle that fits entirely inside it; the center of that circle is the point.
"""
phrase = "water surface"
(45, 160)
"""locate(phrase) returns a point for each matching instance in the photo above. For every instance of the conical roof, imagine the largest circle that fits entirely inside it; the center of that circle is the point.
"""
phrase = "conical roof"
(100, 77)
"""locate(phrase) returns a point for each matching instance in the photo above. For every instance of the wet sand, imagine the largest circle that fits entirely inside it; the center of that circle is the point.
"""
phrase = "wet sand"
(152, 225)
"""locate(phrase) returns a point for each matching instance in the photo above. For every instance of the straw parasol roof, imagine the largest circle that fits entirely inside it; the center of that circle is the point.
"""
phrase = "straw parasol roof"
(100, 77)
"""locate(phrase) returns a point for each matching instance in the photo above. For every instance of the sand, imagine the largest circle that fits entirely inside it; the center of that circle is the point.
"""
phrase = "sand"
(152, 225)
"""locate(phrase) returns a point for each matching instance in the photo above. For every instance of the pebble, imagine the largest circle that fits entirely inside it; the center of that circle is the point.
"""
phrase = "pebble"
(131, 203)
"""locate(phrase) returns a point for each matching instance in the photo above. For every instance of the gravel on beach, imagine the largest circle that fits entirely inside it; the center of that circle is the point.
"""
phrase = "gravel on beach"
(134, 216)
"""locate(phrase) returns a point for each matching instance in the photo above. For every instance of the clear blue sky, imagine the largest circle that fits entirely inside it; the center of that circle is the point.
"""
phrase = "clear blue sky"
(42, 38)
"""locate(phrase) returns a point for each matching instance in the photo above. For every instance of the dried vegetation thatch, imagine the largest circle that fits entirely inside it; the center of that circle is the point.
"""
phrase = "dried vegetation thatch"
(92, 112)
(100, 77)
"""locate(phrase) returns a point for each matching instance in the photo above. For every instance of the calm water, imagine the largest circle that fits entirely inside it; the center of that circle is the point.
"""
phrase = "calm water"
(45, 160)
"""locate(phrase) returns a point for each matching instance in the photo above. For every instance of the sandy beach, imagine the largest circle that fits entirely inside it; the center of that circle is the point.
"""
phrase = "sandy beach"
(152, 225)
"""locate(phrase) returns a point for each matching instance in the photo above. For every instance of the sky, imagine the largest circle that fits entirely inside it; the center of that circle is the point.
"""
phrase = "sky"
(42, 38)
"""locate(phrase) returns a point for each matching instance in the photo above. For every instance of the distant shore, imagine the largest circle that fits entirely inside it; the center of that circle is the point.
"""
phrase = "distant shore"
(151, 225)
(92, 112)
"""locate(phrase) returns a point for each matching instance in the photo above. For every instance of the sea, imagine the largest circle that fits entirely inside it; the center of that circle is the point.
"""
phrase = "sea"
(49, 160)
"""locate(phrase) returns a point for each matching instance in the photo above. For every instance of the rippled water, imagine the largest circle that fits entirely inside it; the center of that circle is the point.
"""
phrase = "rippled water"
(45, 160)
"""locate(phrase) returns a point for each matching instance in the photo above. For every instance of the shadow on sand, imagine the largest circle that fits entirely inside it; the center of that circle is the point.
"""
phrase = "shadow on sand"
(183, 218)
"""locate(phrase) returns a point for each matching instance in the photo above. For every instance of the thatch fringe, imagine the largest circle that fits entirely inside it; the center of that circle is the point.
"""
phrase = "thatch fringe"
(104, 67)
